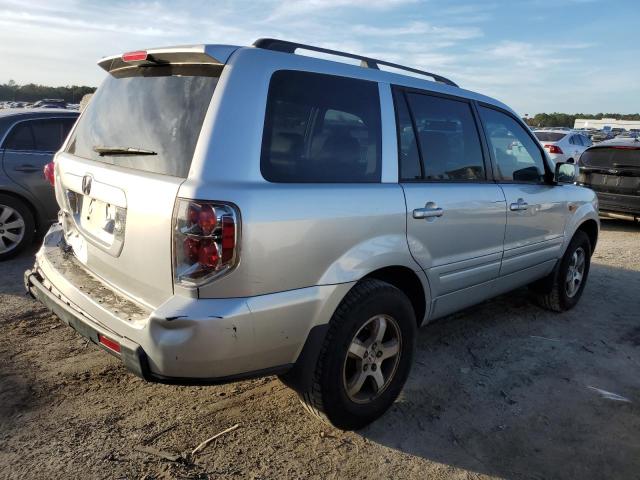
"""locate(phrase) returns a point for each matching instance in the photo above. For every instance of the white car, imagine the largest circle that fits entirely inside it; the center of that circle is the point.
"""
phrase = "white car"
(563, 145)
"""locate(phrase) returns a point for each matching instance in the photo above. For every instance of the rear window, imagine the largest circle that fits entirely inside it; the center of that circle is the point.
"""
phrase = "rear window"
(157, 109)
(549, 136)
(321, 128)
(607, 157)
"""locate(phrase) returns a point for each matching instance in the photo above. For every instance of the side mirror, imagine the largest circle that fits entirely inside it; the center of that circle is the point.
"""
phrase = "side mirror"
(565, 172)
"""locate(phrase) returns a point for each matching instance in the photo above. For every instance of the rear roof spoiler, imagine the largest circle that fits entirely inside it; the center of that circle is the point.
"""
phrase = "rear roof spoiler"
(187, 54)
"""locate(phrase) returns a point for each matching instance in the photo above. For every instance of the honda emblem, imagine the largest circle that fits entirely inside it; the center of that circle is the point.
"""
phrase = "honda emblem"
(86, 184)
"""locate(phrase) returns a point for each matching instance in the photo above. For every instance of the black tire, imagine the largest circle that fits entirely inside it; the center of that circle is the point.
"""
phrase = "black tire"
(22, 212)
(552, 291)
(326, 396)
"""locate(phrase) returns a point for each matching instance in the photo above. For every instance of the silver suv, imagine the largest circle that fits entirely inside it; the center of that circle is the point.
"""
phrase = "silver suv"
(230, 212)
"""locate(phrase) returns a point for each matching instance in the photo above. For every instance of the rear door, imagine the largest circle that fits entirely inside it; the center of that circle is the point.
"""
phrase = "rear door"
(536, 210)
(29, 146)
(455, 213)
(124, 162)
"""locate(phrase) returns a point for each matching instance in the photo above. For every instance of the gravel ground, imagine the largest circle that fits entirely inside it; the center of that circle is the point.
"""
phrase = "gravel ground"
(504, 389)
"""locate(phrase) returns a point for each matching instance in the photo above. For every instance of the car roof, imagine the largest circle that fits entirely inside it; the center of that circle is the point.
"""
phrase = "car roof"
(619, 142)
(224, 54)
(555, 130)
(30, 112)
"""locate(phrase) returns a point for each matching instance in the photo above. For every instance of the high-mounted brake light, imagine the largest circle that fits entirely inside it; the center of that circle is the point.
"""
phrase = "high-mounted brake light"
(49, 173)
(137, 56)
(205, 239)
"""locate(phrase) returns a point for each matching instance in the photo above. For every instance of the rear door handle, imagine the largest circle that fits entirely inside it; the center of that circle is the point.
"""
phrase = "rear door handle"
(430, 210)
(26, 168)
(518, 206)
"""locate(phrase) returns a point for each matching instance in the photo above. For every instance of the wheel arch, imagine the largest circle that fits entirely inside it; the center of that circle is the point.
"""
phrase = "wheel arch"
(590, 227)
(410, 283)
(34, 212)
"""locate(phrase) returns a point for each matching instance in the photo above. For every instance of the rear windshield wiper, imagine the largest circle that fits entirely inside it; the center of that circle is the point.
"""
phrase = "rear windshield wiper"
(102, 151)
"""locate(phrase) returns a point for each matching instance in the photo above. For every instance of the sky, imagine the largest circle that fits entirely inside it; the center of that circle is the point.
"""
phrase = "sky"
(537, 56)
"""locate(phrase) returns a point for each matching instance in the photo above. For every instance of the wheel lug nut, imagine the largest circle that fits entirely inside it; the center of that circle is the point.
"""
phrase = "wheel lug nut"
(379, 354)
(374, 367)
(365, 367)
(366, 354)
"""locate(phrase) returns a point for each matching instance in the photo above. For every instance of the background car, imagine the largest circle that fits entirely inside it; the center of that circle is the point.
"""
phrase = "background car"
(28, 140)
(562, 145)
(612, 170)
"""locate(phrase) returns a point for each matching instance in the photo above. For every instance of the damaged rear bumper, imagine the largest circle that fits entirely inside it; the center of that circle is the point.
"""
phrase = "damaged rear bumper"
(185, 340)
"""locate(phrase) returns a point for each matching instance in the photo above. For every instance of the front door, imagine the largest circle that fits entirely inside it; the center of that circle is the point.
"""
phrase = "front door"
(455, 215)
(536, 209)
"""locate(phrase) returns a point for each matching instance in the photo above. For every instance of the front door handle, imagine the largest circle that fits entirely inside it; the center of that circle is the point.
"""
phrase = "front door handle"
(430, 210)
(518, 206)
(26, 168)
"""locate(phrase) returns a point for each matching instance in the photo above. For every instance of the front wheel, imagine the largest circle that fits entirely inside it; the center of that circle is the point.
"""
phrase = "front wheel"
(365, 358)
(563, 288)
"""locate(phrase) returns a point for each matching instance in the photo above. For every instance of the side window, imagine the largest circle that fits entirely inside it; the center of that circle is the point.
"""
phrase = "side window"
(517, 156)
(448, 139)
(321, 128)
(410, 168)
(586, 141)
(47, 134)
(20, 137)
(575, 140)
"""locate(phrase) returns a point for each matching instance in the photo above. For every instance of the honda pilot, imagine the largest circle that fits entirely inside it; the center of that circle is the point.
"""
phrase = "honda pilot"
(231, 212)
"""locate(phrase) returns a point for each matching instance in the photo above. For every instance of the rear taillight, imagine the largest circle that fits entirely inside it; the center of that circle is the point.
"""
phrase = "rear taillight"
(553, 149)
(205, 240)
(49, 173)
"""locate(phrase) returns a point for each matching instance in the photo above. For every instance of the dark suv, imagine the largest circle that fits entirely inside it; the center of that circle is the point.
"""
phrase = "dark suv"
(28, 140)
(612, 169)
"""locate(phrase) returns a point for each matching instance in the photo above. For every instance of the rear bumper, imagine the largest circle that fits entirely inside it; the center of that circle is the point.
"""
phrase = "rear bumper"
(620, 204)
(185, 340)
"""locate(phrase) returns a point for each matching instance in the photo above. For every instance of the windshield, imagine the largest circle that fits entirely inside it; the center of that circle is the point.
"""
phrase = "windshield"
(154, 109)
(549, 136)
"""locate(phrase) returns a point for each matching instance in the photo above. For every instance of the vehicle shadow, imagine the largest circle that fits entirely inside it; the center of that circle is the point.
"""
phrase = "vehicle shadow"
(617, 225)
(509, 389)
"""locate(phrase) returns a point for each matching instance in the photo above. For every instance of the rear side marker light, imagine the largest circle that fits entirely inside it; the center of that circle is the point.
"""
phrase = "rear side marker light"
(110, 344)
(137, 56)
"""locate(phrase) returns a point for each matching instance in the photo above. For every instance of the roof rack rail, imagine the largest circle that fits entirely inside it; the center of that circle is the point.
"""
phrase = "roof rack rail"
(367, 62)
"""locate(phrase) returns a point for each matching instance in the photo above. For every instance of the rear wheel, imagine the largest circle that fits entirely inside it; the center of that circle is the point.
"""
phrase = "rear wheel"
(365, 358)
(16, 226)
(562, 289)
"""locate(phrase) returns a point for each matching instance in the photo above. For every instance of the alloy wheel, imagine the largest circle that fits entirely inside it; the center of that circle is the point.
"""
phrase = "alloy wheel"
(575, 272)
(12, 228)
(372, 359)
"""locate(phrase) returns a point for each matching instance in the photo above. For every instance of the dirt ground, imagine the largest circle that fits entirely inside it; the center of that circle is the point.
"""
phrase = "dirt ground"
(504, 389)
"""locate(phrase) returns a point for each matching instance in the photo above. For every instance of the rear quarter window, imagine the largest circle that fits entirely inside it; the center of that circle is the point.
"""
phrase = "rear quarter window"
(321, 129)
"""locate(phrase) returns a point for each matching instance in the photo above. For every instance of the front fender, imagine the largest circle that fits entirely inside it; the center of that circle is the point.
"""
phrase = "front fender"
(585, 202)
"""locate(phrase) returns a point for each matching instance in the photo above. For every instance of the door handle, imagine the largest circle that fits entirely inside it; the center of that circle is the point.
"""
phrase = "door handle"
(26, 168)
(518, 206)
(430, 210)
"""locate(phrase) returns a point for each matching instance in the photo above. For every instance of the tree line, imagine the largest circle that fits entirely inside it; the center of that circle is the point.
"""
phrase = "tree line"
(567, 120)
(31, 92)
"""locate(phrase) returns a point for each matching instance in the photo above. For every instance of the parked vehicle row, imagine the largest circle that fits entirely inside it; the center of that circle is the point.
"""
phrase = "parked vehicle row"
(229, 212)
